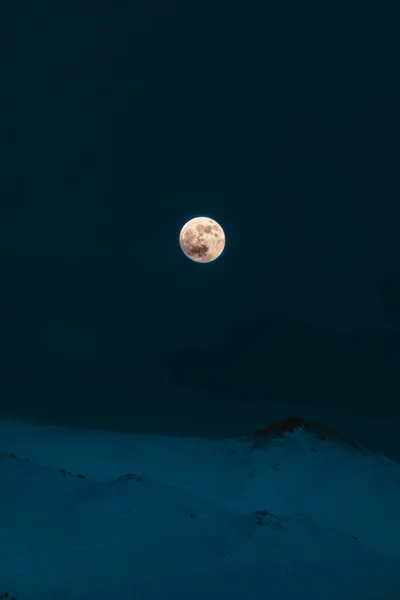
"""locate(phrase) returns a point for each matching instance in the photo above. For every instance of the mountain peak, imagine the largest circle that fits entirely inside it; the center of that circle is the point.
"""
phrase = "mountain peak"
(291, 424)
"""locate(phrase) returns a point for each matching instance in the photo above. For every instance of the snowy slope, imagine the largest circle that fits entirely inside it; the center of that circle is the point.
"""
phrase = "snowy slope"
(196, 518)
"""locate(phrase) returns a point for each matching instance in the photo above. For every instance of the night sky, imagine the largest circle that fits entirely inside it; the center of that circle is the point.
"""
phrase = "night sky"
(121, 121)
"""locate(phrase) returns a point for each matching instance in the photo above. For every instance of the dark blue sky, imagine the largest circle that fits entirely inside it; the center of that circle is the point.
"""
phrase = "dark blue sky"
(123, 120)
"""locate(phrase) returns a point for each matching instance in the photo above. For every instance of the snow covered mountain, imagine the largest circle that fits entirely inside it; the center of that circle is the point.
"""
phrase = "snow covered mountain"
(293, 509)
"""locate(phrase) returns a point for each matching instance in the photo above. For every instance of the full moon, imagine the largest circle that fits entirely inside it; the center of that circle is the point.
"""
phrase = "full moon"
(202, 239)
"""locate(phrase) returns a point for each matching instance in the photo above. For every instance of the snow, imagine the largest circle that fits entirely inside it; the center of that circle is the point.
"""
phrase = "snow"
(88, 514)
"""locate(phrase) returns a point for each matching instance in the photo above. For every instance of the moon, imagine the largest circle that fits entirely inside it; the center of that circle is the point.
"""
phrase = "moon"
(202, 239)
